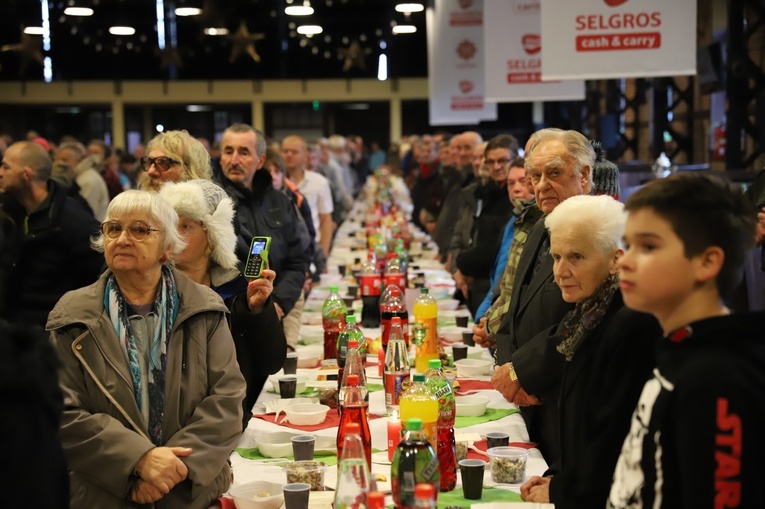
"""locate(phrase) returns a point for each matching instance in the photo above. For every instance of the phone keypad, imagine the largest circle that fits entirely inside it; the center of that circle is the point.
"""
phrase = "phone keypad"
(254, 264)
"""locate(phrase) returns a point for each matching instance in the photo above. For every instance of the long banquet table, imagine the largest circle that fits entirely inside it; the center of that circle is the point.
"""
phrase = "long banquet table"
(346, 248)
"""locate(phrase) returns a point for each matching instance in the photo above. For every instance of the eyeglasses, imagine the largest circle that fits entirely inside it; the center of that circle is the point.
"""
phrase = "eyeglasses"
(161, 163)
(138, 230)
(502, 162)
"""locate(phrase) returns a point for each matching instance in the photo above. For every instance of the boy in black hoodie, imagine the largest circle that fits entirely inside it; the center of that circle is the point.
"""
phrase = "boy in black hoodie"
(696, 438)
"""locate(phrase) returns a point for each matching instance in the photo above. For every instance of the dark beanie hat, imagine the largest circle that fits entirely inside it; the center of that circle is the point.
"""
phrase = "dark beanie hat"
(605, 174)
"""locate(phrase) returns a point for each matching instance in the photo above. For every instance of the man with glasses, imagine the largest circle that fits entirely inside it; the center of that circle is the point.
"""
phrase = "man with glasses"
(261, 210)
(48, 252)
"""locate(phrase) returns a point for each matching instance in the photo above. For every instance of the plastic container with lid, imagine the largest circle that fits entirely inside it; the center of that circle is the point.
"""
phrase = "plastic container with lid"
(508, 464)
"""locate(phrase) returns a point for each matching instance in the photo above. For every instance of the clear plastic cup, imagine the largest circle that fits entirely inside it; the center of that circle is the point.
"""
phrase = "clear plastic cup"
(508, 464)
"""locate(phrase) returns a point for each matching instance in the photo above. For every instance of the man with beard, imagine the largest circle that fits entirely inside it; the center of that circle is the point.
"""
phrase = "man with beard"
(47, 251)
(261, 210)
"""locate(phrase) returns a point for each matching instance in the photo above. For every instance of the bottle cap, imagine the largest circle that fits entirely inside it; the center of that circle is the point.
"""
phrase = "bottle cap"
(353, 380)
(354, 343)
(332, 289)
(432, 363)
(419, 377)
(350, 319)
(353, 427)
(376, 500)
(396, 319)
(424, 491)
(414, 424)
(424, 291)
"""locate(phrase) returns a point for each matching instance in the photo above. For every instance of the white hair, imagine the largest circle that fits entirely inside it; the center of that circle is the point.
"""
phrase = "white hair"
(575, 142)
(600, 219)
(207, 203)
(134, 201)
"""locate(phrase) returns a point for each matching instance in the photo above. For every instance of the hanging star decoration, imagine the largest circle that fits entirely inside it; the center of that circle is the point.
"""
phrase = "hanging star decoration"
(28, 49)
(353, 56)
(242, 42)
(170, 56)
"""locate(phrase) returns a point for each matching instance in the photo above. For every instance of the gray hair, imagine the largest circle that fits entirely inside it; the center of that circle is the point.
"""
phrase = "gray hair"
(134, 201)
(576, 143)
(600, 219)
(260, 138)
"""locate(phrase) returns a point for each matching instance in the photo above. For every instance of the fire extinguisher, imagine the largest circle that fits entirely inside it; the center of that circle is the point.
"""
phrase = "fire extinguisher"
(718, 142)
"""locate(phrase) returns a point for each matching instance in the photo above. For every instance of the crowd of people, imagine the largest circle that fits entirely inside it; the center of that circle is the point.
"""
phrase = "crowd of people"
(608, 321)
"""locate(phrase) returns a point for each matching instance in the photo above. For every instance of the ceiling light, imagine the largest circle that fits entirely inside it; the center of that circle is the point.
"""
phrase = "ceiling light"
(409, 8)
(78, 11)
(197, 108)
(121, 30)
(404, 29)
(188, 11)
(299, 10)
(216, 31)
(309, 30)
(34, 30)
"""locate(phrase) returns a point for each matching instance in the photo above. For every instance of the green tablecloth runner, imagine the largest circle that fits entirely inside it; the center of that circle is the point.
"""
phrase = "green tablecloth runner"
(457, 499)
(311, 390)
(330, 458)
(491, 414)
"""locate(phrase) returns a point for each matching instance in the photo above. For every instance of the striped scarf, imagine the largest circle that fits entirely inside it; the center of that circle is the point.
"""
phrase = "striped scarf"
(166, 309)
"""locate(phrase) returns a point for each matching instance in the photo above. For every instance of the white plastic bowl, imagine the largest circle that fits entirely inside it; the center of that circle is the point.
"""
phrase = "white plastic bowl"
(473, 367)
(448, 304)
(452, 333)
(301, 382)
(471, 406)
(306, 415)
(310, 357)
(312, 334)
(246, 495)
(274, 446)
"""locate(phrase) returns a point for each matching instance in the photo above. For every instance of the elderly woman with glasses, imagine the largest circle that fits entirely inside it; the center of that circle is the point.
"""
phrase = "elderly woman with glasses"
(152, 392)
(606, 350)
(207, 224)
(173, 156)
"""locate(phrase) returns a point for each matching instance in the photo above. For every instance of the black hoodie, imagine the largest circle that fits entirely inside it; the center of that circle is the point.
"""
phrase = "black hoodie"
(697, 437)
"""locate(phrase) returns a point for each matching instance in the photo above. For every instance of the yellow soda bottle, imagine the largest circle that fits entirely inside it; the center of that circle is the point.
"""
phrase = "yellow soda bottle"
(425, 330)
(417, 401)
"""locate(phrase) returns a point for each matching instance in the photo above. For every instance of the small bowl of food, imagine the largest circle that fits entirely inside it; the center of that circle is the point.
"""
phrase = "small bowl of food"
(473, 367)
(308, 472)
(508, 464)
(306, 415)
(471, 406)
(257, 495)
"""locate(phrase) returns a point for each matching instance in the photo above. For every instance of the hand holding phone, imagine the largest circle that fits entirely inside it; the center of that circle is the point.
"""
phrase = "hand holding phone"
(257, 260)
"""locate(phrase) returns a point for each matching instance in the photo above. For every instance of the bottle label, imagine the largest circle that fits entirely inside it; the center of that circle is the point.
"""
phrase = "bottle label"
(370, 285)
(426, 335)
(396, 279)
(394, 383)
(442, 390)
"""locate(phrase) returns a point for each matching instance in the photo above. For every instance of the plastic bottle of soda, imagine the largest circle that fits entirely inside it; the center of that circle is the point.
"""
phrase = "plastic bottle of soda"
(396, 367)
(394, 273)
(354, 413)
(354, 365)
(370, 293)
(441, 388)
(425, 330)
(333, 320)
(418, 401)
(414, 462)
(393, 303)
(353, 477)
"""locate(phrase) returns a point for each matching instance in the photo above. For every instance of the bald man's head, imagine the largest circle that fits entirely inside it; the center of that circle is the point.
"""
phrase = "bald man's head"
(466, 144)
(295, 154)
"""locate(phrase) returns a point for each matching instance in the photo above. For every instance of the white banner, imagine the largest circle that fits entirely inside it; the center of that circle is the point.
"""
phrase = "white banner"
(593, 39)
(456, 63)
(513, 59)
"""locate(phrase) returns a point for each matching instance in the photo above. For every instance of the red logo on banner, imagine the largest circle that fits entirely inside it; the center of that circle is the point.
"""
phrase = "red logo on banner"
(532, 43)
(466, 86)
(615, 3)
(466, 49)
(467, 4)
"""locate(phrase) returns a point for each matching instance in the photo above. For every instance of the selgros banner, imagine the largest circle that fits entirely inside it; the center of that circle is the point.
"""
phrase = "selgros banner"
(513, 55)
(456, 63)
(593, 39)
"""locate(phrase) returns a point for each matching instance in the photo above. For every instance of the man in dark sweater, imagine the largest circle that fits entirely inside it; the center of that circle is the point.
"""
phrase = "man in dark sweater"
(696, 435)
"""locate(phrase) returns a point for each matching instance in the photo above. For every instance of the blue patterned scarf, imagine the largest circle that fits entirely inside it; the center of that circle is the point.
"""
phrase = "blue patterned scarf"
(166, 309)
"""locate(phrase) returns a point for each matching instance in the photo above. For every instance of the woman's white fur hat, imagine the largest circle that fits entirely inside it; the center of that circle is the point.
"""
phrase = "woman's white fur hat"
(206, 202)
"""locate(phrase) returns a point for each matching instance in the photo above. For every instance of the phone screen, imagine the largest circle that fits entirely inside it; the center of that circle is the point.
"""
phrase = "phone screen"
(258, 247)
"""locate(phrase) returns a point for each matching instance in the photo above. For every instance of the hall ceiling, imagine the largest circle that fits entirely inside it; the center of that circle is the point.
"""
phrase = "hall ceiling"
(83, 49)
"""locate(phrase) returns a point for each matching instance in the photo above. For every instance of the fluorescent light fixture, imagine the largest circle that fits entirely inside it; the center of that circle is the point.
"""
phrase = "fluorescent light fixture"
(299, 10)
(196, 108)
(117, 30)
(404, 29)
(188, 11)
(309, 30)
(47, 70)
(34, 30)
(78, 11)
(407, 8)
(356, 106)
(382, 67)
(216, 31)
